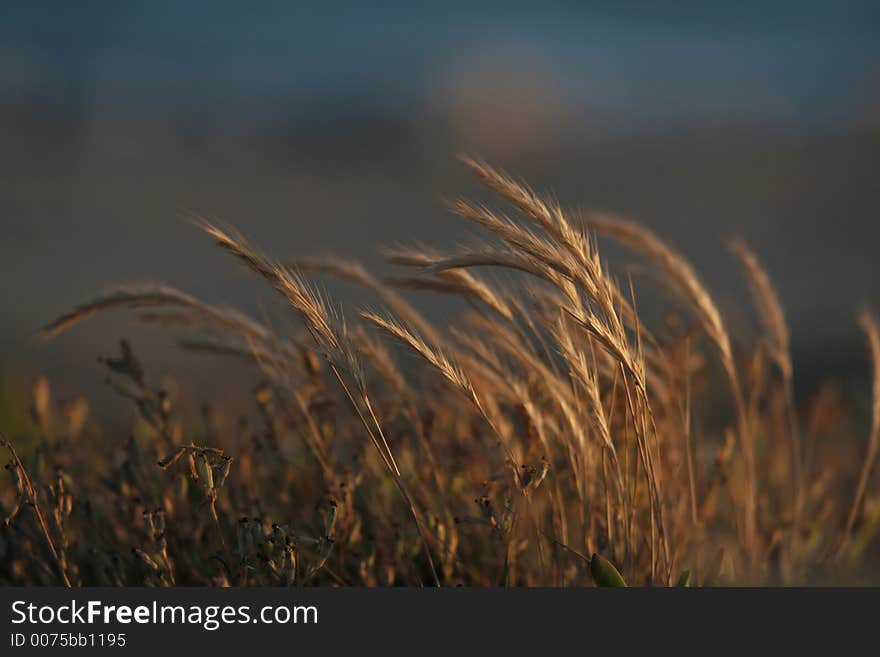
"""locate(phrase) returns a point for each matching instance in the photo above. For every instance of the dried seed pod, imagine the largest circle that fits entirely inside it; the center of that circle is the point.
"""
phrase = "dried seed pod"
(531, 477)
(147, 559)
(225, 467)
(291, 565)
(172, 458)
(204, 471)
(192, 465)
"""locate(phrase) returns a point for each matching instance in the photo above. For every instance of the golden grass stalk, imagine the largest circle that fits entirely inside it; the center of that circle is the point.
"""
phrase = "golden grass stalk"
(34, 501)
(677, 268)
(458, 282)
(356, 274)
(869, 325)
(569, 252)
(156, 296)
(450, 370)
(337, 350)
(547, 214)
(560, 368)
(767, 302)
(681, 273)
(772, 319)
(310, 307)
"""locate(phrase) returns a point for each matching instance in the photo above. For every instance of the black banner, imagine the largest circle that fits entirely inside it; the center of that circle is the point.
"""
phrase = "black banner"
(139, 621)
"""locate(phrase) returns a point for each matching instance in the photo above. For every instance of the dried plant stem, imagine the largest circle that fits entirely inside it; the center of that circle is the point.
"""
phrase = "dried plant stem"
(391, 465)
(689, 449)
(772, 318)
(336, 351)
(568, 418)
(35, 503)
(688, 283)
(872, 330)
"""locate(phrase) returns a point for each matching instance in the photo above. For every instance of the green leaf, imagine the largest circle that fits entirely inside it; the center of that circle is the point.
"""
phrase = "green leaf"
(684, 579)
(604, 573)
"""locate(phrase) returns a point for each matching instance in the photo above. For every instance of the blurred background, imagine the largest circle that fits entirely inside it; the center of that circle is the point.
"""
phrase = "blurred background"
(334, 127)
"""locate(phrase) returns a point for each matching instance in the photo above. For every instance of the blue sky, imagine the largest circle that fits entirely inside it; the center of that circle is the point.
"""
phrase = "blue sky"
(815, 62)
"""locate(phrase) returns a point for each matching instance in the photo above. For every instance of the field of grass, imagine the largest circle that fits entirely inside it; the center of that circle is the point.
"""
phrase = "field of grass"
(550, 436)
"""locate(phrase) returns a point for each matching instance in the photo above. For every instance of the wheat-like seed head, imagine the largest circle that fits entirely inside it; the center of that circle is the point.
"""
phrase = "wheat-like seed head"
(767, 300)
(547, 214)
(557, 364)
(675, 265)
(357, 274)
(433, 355)
(158, 296)
(586, 375)
(311, 307)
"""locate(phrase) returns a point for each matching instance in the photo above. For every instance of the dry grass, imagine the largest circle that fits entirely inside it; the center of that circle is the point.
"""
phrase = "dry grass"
(551, 423)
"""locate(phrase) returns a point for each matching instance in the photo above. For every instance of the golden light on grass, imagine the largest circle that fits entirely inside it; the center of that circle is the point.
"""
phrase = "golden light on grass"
(547, 423)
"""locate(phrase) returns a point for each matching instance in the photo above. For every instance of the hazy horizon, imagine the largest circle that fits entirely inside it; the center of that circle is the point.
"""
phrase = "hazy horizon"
(335, 130)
